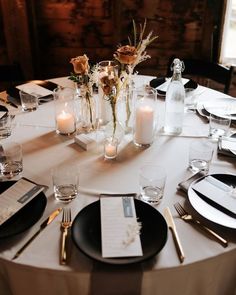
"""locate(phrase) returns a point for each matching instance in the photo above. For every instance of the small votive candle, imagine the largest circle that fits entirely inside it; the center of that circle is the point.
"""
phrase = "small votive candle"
(65, 123)
(110, 148)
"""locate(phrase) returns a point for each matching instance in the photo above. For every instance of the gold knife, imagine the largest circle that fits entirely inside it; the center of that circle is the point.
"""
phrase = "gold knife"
(46, 222)
(171, 225)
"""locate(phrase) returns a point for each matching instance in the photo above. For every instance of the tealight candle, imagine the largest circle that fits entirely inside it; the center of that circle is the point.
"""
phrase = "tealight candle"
(144, 125)
(110, 148)
(65, 123)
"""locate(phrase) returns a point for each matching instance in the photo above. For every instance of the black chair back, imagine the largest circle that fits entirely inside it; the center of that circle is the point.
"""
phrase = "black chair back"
(213, 71)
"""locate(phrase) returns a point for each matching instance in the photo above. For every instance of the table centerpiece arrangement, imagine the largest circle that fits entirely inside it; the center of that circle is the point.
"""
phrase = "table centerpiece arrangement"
(115, 79)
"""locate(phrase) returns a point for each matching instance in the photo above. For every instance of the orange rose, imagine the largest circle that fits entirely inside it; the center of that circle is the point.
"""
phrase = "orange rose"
(126, 54)
(80, 64)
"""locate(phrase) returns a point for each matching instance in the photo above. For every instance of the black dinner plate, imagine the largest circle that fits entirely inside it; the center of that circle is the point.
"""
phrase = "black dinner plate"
(25, 217)
(158, 81)
(3, 109)
(86, 233)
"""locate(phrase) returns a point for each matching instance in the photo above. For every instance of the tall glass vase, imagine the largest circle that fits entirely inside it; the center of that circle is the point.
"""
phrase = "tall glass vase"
(126, 106)
(86, 108)
(114, 128)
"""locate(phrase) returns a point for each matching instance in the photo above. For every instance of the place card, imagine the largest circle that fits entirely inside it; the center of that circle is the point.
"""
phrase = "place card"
(17, 196)
(120, 229)
(31, 87)
(217, 193)
(164, 86)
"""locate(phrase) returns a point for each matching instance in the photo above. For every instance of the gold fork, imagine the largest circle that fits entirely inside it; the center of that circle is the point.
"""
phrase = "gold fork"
(188, 217)
(65, 225)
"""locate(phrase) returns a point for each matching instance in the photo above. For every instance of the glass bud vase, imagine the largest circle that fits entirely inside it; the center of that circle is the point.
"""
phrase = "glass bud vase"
(145, 116)
(126, 106)
(114, 131)
(87, 109)
(65, 115)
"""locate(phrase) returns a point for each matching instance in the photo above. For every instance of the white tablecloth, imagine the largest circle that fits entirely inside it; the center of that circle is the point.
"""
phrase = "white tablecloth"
(208, 267)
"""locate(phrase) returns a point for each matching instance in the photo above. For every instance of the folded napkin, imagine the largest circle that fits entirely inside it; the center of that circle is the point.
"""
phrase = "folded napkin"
(227, 146)
(44, 89)
(218, 194)
(16, 197)
(185, 184)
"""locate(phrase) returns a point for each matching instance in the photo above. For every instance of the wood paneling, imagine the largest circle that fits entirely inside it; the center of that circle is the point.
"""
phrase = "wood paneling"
(43, 35)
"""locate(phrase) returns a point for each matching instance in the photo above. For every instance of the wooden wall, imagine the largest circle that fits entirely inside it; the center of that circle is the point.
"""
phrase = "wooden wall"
(56, 30)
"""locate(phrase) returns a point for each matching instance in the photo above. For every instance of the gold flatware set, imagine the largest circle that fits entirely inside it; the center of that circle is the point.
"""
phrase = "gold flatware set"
(189, 218)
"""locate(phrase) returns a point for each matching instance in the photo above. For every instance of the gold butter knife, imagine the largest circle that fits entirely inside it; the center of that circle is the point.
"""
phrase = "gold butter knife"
(171, 225)
(46, 222)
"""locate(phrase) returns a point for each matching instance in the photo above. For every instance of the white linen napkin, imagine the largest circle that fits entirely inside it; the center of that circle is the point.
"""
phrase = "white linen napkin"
(218, 192)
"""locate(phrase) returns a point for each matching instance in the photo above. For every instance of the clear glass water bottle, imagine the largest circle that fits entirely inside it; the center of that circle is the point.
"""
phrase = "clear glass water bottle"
(174, 103)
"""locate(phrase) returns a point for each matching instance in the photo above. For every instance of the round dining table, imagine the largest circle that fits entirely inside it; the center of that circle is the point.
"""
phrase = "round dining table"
(208, 267)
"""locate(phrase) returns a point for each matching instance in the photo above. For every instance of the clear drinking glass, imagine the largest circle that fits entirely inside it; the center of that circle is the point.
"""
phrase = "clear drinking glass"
(5, 126)
(200, 155)
(29, 101)
(218, 126)
(152, 180)
(65, 183)
(190, 101)
(11, 162)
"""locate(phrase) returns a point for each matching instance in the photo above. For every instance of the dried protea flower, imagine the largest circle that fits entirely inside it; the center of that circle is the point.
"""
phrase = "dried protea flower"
(80, 64)
(126, 54)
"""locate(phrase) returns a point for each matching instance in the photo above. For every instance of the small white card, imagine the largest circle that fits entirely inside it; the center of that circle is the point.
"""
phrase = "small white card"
(17, 196)
(119, 228)
(34, 88)
(164, 86)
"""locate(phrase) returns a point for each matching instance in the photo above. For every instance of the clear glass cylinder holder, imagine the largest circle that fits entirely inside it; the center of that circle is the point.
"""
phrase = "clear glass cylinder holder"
(65, 115)
(108, 70)
(110, 148)
(145, 116)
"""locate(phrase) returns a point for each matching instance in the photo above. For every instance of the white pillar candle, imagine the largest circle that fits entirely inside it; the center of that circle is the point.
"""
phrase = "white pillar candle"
(65, 123)
(144, 125)
(110, 148)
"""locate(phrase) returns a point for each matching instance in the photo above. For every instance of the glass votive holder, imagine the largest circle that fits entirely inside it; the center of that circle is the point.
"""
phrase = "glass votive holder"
(145, 119)
(110, 148)
(65, 113)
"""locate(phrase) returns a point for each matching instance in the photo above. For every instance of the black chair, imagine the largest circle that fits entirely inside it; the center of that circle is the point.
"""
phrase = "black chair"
(10, 75)
(205, 71)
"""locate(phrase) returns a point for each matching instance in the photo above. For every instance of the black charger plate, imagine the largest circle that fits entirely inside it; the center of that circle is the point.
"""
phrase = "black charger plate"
(86, 233)
(25, 217)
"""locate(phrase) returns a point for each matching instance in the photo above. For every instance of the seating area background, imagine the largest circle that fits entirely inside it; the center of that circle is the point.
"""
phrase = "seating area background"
(43, 35)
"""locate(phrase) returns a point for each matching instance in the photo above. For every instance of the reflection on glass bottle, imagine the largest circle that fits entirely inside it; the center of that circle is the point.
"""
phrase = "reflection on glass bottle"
(174, 104)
